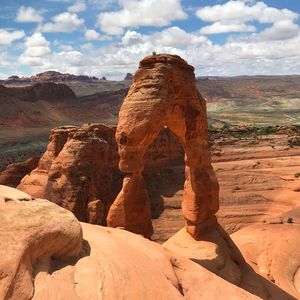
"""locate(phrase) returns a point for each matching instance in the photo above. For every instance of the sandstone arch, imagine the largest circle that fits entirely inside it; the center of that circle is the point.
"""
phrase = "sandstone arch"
(164, 93)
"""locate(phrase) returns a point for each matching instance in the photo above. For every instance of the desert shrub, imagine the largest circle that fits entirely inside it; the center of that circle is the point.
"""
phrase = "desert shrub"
(294, 141)
(266, 130)
(297, 175)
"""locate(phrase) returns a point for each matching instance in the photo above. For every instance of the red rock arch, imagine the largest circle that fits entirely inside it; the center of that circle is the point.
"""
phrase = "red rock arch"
(164, 93)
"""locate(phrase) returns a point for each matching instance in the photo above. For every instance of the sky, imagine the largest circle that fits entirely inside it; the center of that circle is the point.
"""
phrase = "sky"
(109, 37)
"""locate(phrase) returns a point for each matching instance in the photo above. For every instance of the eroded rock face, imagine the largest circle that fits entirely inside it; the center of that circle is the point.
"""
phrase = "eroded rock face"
(13, 173)
(47, 254)
(164, 93)
(272, 249)
(79, 170)
(30, 230)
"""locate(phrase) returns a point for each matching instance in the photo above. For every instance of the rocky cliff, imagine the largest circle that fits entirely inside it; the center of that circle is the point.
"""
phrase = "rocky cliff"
(39, 91)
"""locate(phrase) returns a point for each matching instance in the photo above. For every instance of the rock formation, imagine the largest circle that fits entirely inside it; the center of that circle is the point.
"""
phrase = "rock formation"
(79, 170)
(164, 93)
(47, 254)
(13, 173)
(32, 229)
(47, 91)
(272, 249)
(128, 76)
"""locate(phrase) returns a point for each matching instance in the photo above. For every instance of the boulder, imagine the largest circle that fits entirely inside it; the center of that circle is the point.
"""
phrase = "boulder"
(30, 230)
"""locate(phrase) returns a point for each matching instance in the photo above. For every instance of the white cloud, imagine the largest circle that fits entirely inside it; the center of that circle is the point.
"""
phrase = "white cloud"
(238, 56)
(8, 36)
(91, 35)
(36, 47)
(77, 7)
(140, 13)
(64, 22)
(273, 50)
(280, 30)
(233, 16)
(220, 27)
(237, 10)
(28, 15)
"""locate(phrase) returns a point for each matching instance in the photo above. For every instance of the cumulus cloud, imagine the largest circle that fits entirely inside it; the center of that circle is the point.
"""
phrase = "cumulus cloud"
(222, 27)
(77, 7)
(8, 36)
(280, 30)
(28, 15)
(64, 22)
(233, 16)
(36, 47)
(273, 50)
(240, 11)
(91, 35)
(140, 13)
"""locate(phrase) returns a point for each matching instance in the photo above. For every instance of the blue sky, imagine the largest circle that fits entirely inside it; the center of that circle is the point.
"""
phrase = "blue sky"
(109, 37)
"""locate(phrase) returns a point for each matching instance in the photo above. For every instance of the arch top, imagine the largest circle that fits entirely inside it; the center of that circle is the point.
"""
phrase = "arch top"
(169, 59)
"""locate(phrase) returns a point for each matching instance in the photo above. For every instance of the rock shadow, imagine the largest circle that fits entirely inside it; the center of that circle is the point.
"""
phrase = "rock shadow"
(165, 183)
(52, 264)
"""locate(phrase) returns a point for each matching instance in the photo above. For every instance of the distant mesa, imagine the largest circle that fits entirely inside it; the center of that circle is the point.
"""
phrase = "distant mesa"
(50, 76)
(57, 76)
(128, 76)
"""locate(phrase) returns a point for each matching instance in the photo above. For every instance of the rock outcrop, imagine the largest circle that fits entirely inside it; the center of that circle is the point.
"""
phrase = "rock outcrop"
(164, 93)
(47, 254)
(32, 229)
(42, 258)
(128, 76)
(272, 249)
(46, 91)
(13, 173)
(79, 170)
(49, 76)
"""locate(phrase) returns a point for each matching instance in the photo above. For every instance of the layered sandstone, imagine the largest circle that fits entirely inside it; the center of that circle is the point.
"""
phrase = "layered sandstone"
(164, 93)
(78, 170)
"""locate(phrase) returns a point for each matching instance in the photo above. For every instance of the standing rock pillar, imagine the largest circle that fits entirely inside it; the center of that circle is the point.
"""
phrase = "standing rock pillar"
(164, 93)
(131, 209)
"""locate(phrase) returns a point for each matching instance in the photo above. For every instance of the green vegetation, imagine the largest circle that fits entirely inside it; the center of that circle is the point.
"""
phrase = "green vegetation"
(241, 132)
(256, 112)
(294, 141)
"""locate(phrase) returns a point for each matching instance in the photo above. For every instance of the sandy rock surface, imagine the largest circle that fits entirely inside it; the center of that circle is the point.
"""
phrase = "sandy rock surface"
(45, 256)
(31, 229)
(272, 249)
